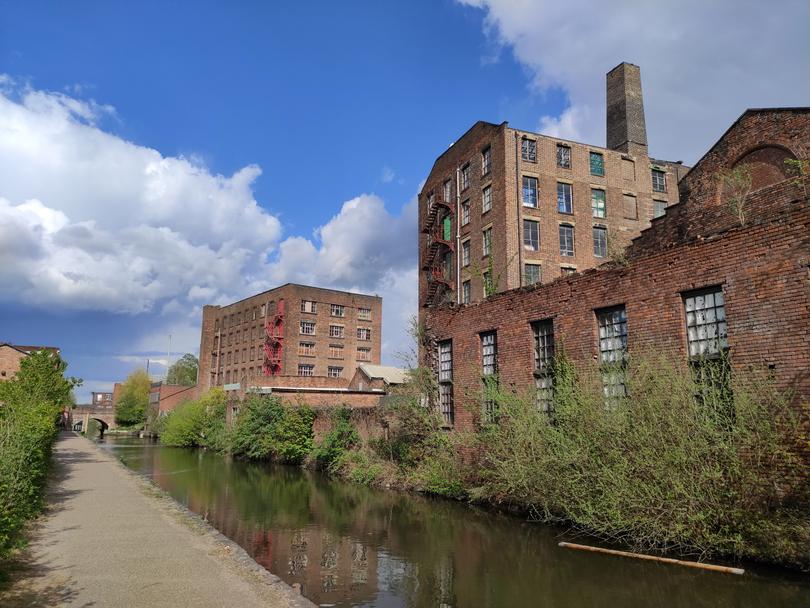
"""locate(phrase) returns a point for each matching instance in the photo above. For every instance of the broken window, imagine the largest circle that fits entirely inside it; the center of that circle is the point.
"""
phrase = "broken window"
(529, 191)
(489, 365)
(531, 235)
(566, 240)
(565, 198)
(486, 199)
(486, 160)
(306, 369)
(600, 237)
(445, 349)
(528, 150)
(563, 156)
(531, 274)
(465, 176)
(598, 203)
(612, 324)
(659, 180)
(544, 364)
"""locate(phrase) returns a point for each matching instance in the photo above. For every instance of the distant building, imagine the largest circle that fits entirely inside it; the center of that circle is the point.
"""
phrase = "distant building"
(101, 399)
(163, 398)
(377, 378)
(12, 354)
(504, 208)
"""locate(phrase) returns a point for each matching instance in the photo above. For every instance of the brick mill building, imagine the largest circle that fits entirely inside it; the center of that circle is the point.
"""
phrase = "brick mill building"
(697, 282)
(11, 355)
(503, 208)
(294, 338)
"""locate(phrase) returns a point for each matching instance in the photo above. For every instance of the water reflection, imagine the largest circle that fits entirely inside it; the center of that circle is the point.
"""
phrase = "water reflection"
(347, 545)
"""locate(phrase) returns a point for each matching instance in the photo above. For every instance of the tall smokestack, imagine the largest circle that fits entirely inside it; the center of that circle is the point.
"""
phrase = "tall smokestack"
(626, 128)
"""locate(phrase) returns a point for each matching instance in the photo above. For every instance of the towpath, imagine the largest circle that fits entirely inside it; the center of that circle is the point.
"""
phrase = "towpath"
(109, 538)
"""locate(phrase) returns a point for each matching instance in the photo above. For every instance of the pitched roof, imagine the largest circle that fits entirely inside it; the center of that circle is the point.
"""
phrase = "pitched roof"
(392, 375)
(27, 350)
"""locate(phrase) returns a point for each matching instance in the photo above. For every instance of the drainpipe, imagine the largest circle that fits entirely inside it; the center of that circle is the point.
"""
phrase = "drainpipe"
(519, 207)
(458, 238)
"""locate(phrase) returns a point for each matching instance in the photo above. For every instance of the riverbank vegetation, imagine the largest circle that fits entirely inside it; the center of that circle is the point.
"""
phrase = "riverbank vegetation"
(678, 466)
(134, 400)
(30, 406)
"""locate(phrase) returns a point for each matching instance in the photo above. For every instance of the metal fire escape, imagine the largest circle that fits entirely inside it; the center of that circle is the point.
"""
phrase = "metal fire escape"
(274, 342)
(438, 225)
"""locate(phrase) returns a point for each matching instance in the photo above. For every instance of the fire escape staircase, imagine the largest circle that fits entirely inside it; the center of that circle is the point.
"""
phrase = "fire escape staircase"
(274, 342)
(439, 241)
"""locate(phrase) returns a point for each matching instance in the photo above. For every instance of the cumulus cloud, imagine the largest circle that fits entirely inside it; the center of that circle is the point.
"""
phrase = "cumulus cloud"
(91, 221)
(702, 63)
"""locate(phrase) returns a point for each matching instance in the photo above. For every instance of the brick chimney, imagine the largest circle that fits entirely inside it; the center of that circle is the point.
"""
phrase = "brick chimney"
(626, 128)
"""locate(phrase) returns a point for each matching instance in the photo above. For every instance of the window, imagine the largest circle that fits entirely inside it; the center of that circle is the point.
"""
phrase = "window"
(528, 150)
(486, 160)
(264, 310)
(252, 353)
(465, 253)
(486, 281)
(465, 292)
(309, 306)
(465, 213)
(364, 314)
(336, 331)
(659, 208)
(308, 328)
(486, 199)
(465, 176)
(336, 310)
(363, 333)
(448, 191)
(335, 351)
(630, 207)
(306, 349)
(363, 353)
(565, 198)
(531, 274)
(612, 324)
(487, 241)
(659, 181)
(566, 240)
(529, 191)
(597, 164)
(489, 371)
(445, 357)
(334, 372)
(531, 235)
(600, 241)
(706, 328)
(306, 369)
(563, 156)
(544, 364)
(598, 203)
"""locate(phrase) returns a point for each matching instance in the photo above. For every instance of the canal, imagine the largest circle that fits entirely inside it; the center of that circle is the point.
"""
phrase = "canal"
(347, 545)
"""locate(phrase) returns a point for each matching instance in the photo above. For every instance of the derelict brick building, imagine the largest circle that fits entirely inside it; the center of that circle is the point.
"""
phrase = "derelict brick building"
(696, 283)
(503, 208)
(290, 336)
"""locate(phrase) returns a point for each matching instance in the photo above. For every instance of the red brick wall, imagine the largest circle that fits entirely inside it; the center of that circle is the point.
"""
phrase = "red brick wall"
(763, 267)
(9, 362)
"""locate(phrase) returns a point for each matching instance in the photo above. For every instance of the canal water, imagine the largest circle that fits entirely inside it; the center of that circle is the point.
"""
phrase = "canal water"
(348, 545)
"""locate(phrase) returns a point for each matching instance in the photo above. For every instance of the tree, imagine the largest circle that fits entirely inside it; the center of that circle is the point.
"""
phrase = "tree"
(131, 406)
(183, 371)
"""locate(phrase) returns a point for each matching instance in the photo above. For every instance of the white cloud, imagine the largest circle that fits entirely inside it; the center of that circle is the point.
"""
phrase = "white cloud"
(702, 63)
(91, 221)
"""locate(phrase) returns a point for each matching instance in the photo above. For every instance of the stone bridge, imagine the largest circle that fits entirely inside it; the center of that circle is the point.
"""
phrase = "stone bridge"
(80, 417)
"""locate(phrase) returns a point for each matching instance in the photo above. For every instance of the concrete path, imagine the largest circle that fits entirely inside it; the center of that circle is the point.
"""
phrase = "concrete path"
(110, 538)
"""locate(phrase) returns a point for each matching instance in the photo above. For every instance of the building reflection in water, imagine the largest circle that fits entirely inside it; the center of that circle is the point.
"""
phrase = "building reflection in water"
(347, 545)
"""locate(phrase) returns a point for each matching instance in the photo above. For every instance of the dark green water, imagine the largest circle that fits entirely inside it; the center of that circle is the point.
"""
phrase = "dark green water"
(351, 546)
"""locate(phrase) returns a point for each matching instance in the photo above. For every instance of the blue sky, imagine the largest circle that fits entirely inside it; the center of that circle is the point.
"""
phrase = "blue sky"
(157, 156)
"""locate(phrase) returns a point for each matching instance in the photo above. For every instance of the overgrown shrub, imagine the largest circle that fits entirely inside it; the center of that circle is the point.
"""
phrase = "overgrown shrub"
(341, 438)
(266, 429)
(198, 423)
(30, 405)
(660, 469)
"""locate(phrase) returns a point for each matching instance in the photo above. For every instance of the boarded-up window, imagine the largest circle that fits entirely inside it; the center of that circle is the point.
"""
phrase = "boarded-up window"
(628, 170)
(630, 207)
